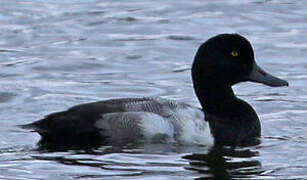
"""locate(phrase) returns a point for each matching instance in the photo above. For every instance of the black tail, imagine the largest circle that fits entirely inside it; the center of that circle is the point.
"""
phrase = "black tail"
(33, 127)
(26, 126)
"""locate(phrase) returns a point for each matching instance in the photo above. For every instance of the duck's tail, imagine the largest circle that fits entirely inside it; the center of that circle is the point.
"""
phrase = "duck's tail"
(32, 127)
(26, 126)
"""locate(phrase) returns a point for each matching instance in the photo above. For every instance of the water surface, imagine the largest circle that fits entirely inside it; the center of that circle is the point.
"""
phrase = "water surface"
(55, 54)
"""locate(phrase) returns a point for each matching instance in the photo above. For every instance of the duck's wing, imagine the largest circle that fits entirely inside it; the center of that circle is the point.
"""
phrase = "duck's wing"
(124, 127)
(79, 123)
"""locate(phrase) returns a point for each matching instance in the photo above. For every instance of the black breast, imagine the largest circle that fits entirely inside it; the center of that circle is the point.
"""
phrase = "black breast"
(238, 124)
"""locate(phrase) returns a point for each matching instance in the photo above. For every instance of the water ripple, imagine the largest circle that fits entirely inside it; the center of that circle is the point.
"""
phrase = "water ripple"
(55, 54)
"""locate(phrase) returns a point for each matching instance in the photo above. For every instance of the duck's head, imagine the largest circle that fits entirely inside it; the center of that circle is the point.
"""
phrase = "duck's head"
(227, 59)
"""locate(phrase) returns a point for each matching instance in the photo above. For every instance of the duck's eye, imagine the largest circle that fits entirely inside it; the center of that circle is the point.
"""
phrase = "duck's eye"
(234, 53)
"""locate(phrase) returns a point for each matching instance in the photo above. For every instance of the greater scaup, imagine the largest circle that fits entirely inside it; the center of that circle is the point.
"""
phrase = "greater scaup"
(220, 62)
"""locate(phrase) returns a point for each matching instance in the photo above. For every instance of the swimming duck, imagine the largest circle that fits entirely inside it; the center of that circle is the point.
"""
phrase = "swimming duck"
(220, 62)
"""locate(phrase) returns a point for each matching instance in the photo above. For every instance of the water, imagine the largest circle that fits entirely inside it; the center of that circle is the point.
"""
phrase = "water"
(55, 54)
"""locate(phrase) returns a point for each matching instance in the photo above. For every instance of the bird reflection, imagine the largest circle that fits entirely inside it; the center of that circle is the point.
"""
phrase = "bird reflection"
(218, 162)
(224, 162)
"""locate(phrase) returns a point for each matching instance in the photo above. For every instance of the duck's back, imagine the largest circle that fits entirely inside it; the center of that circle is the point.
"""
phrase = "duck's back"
(126, 120)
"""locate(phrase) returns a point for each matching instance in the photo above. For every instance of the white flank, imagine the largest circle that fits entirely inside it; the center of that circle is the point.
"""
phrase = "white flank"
(154, 124)
(195, 130)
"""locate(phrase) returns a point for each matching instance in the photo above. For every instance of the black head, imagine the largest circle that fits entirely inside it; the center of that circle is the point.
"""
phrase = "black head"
(227, 59)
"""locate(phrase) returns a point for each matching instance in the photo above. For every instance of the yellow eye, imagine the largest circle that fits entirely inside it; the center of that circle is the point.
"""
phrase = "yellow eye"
(234, 53)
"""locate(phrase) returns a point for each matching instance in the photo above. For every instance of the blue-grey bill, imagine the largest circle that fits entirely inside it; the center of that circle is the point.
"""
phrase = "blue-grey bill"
(260, 76)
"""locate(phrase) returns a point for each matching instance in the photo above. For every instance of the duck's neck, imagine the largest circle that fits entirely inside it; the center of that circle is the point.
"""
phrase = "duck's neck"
(215, 99)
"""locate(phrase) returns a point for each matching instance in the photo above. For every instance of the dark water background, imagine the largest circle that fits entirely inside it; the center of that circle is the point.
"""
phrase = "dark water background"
(59, 53)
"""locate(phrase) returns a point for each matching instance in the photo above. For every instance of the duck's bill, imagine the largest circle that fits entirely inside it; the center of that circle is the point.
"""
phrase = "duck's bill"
(260, 76)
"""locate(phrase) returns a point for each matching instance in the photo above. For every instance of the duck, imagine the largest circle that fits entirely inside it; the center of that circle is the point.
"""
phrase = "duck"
(220, 62)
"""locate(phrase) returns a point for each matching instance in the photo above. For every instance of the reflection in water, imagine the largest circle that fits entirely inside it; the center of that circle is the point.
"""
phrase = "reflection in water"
(218, 162)
(56, 54)
(51, 147)
(46, 146)
(225, 163)
(115, 162)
